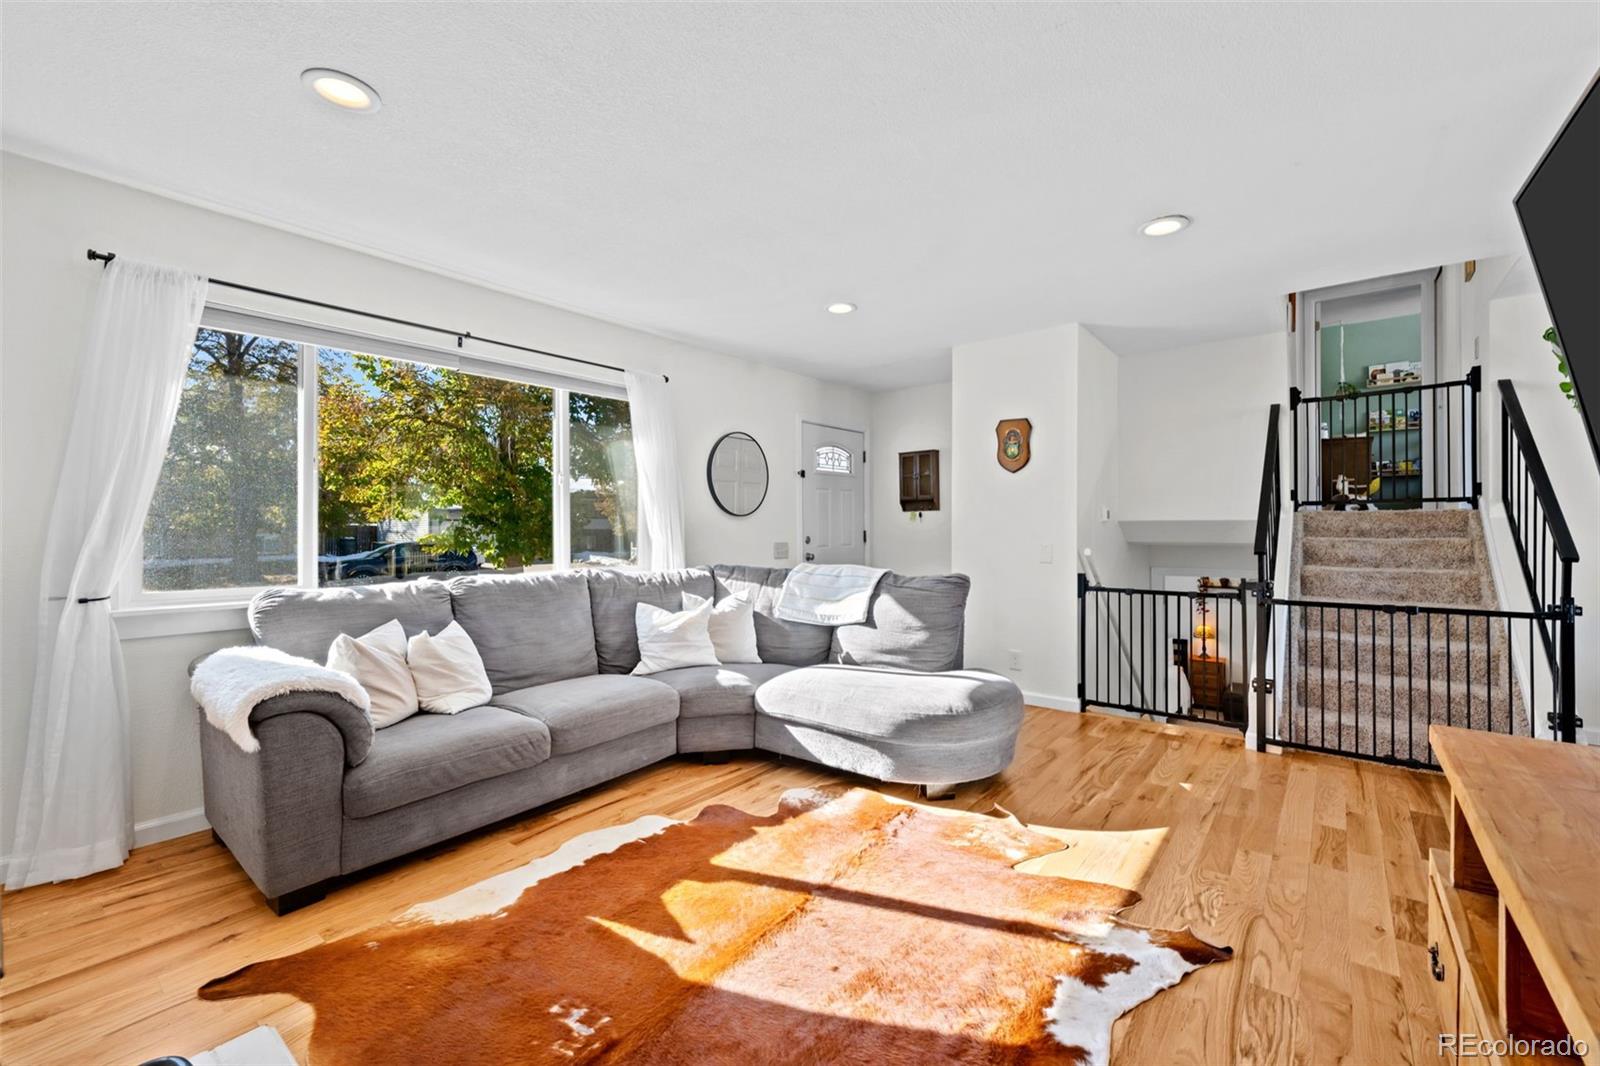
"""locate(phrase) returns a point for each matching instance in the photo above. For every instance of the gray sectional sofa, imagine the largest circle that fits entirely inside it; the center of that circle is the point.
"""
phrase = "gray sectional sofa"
(326, 795)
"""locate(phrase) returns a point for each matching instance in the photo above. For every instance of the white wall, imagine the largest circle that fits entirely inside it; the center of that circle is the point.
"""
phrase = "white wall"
(1101, 469)
(910, 420)
(1206, 560)
(51, 215)
(1003, 525)
(1191, 428)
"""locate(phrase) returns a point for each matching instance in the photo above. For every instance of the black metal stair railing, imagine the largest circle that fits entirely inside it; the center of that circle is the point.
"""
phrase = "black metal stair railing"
(1546, 553)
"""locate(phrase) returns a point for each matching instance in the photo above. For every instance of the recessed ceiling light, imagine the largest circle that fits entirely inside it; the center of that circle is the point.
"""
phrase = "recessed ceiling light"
(841, 308)
(341, 90)
(1165, 226)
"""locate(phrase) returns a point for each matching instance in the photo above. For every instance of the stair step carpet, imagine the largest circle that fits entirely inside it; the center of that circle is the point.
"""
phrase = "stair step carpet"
(1370, 681)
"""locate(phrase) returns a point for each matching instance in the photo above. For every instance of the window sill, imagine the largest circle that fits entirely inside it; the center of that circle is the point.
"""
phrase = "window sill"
(144, 623)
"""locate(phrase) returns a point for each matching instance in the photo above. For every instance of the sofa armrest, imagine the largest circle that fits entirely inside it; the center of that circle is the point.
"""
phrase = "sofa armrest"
(280, 810)
(353, 724)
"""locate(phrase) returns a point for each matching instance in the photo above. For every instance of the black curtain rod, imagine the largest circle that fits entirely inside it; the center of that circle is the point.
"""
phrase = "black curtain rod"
(461, 336)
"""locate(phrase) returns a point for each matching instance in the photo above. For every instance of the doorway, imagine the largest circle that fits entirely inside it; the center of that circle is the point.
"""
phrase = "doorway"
(833, 505)
(1364, 371)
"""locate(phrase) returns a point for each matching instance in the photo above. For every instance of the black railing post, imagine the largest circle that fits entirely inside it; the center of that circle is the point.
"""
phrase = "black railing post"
(1083, 640)
(1475, 380)
(1294, 446)
(1261, 683)
(1505, 464)
(1268, 506)
(1566, 723)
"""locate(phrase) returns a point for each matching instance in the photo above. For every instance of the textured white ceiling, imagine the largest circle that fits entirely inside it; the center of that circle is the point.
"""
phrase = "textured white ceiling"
(720, 172)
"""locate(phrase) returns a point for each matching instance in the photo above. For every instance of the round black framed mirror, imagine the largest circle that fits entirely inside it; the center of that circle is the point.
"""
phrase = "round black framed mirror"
(736, 473)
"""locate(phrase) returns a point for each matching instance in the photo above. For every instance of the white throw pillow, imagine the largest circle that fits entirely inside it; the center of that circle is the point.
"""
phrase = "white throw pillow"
(733, 627)
(668, 639)
(377, 660)
(448, 671)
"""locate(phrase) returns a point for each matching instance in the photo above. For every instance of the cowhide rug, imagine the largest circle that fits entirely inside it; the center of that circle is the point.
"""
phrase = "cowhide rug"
(853, 928)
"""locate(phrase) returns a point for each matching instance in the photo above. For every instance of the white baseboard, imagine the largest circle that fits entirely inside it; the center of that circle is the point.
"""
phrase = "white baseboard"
(168, 826)
(1054, 703)
(156, 830)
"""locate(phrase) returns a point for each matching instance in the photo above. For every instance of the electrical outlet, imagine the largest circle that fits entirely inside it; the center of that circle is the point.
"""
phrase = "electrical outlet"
(780, 549)
(1014, 658)
(1047, 553)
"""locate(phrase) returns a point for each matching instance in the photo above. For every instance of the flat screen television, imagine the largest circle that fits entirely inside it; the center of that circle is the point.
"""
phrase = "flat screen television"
(1559, 208)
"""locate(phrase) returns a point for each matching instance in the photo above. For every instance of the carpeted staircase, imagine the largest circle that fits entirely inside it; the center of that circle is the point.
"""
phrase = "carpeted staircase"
(1369, 680)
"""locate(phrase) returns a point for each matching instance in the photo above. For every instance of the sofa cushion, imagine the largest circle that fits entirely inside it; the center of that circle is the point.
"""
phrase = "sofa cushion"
(585, 711)
(779, 641)
(431, 753)
(304, 622)
(712, 691)
(955, 707)
(913, 623)
(613, 595)
(529, 629)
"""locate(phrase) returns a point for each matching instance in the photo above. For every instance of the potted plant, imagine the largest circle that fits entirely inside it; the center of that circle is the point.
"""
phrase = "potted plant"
(1561, 366)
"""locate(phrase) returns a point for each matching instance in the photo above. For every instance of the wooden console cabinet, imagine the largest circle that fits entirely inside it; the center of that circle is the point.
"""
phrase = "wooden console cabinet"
(1208, 680)
(1514, 905)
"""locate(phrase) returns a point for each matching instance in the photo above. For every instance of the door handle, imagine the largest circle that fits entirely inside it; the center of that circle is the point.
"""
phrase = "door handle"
(811, 557)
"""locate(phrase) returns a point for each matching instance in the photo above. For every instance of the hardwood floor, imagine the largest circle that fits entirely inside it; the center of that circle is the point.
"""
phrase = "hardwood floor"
(1312, 867)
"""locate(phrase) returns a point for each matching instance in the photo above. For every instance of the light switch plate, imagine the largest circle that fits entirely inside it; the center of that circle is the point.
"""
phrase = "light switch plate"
(780, 549)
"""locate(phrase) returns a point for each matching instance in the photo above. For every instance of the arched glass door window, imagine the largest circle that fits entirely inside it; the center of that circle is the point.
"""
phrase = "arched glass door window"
(832, 459)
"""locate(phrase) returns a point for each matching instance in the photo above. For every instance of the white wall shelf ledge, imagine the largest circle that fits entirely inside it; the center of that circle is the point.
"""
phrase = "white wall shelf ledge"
(1189, 531)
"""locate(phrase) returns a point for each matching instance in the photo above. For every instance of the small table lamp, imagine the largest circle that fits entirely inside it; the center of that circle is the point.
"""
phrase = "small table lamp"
(1205, 632)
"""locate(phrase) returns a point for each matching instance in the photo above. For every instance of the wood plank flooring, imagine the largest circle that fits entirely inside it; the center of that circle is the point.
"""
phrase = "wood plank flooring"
(1312, 867)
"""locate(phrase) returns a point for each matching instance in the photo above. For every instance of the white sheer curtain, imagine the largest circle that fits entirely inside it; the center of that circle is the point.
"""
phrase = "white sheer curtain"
(655, 452)
(75, 814)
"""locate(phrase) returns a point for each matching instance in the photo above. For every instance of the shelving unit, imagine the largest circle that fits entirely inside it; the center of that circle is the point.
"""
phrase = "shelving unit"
(1514, 944)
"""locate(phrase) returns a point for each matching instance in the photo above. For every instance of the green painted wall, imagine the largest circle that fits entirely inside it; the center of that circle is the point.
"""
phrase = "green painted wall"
(1387, 340)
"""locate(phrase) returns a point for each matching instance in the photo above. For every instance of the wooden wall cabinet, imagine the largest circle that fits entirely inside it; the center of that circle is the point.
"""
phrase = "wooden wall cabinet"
(919, 481)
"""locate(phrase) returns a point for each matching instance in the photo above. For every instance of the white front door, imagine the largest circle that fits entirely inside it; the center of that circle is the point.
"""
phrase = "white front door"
(833, 514)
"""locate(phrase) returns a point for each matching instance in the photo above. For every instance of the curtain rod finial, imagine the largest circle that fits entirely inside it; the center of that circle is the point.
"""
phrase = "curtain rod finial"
(103, 257)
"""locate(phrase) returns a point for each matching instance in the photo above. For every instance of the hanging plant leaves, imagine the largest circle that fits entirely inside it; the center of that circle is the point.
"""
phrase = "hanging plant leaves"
(1554, 341)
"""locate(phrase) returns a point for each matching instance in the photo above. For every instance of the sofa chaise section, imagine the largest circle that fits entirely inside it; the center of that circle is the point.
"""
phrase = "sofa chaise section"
(932, 730)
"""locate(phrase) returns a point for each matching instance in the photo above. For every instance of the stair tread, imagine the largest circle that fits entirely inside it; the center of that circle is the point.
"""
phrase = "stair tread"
(1388, 540)
(1421, 639)
(1367, 603)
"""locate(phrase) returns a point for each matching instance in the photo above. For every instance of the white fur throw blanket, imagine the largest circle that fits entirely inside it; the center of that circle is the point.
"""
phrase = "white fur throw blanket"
(827, 594)
(229, 684)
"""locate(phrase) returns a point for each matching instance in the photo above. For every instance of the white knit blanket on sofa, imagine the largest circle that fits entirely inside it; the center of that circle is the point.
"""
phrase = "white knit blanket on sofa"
(828, 594)
(228, 684)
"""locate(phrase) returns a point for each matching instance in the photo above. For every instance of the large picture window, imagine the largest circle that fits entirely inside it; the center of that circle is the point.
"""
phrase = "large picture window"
(418, 470)
(224, 511)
